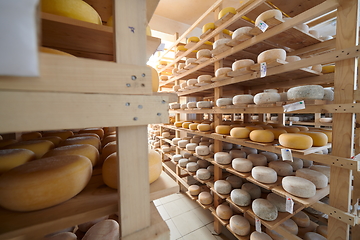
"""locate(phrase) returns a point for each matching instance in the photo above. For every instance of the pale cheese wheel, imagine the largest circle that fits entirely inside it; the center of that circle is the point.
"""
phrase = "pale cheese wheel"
(290, 226)
(203, 104)
(242, 63)
(108, 229)
(313, 236)
(243, 99)
(204, 78)
(203, 174)
(191, 146)
(39, 147)
(30, 136)
(223, 102)
(264, 209)
(211, 169)
(193, 159)
(11, 158)
(299, 187)
(322, 230)
(175, 141)
(234, 181)
(282, 168)
(182, 143)
(296, 164)
(292, 59)
(174, 105)
(307, 92)
(242, 164)
(195, 140)
(319, 179)
(307, 163)
(194, 190)
(220, 42)
(227, 146)
(63, 134)
(202, 163)
(301, 219)
(176, 88)
(44, 183)
(322, 169)
(252, 189)
(263, 136)
(183, 161)
(203, 53)
(259, 236)
(273, 13)
(328, 94)
(224, 212)
(190, 60)
(257, 159)
(239, 132)
(270, 156)
(166, 134)
(264, 174)
(205, 198)
(202, 150)
(296, 141)
(278, 201)
(204, 144)
(222, 158)
(239, 225)
(222, 71)
(268, 96)
(236, 153)
(166, 148)
(222, 187)
(223, 129)
(191, 104)
(319, 138)
(240, 197)
(193, 126)
(204, 127)
(241, 31)
(272, 54)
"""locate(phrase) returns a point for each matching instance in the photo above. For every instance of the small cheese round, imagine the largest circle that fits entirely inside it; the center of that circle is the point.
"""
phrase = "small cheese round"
(205, 198)
(224, 212)
(203, 163)
(203, 174)
(204, 127)
(301, 219)
(11, 158)
(227, 146)
(234, 181)
(273, 13)
(264, 174)
(290, 226)
(296, 141)
(223, 129)
(222, 187)
(175, 141)
(278, 201)
(319, 139)
(222, 158)
(313, 236)
(63, 134)
(322, 169)
(186, 155)
(191, 105)
(236, 153)
(242, 63)
(239, 132)
(191, 146)
(319, 179)
(182, 162)
(192, 166)
(241, 31)
(259, 236)
(222, 71)
(203, 104)
(282, 168)
(263, 136)
(243, 99)
(182, 143)
(202, 150)
(307, 92)
(178, 123)
(220, 42)
(176, 88)
(249, 150)
(264, 209)
(39, 147)
(270, 156)
(299, 187)
(193, 39)
(109, 228)
(204, 78)
(184, 125)
(193, 126)
(223, 102)
(240, 197)
(272, 54)
(194, 190)
(166, 134)
(296, 164)
(257, 159)
(174, 105)
(322, 230)
(239, 225)
(252, 189)
(242, 164)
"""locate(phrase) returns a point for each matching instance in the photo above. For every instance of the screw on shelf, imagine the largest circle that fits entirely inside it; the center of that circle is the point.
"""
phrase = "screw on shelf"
(159, 114)
(135, 118)
(128, 85)
(133, 77)
(143, 75)
(140, 106)
(127, 104)
(163, 101)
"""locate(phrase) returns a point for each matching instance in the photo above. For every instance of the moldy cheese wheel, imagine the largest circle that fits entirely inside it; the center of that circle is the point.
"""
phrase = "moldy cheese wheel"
(39, 147)
(264, 209)
(239, 225)
(44, 183)
(11, 158)
(296, 141)
(299, 187)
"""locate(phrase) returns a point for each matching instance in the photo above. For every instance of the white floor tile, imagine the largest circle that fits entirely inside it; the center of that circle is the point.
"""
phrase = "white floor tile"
(170, 198)
(174, 232)
(177, 207)
(201, 233)
(157, 202)
(163, 213)
(204, 215)
(191, 203)
(187, 222)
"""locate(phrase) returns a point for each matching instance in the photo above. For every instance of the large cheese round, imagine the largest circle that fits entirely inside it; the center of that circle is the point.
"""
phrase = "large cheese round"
(296, 164)
(270, 156)
(277, 132)
(194, 190)
(239, 132)
(39, 147)
(264, 209)
(222, 186)
(97, 131)
(263, 136)
(257, 159)
(191, 146)
(236, 153)
(234, 181)
(243, 99)
(240, 197)
(268, 96)
(223, 129)
(205, 198)
(319, 179)
(313, 236)
(296, 141)
(204, 78)
(203, 127)
(273, 13)
(44, 182)
(192, 166)
(202, 150)
(308, 92)
(259, 236)
(208, 26)
(182, 162)
(264, 174)
(11, 158)
(107, 229)
(203, 174)
(226, 10)
(220, 42)
(242, 63)
(241, 31)
(282, 168)
(239, 225)
(224, 212)
(191, 104)
(30, 136)
(272, 54)
(301, 219)
(319, 139)
(182, 143)
(252, 189)
(290, 226)
(322, 169)
(299, 187)
(278, 201)
(223, 102)
(203, 104)
(242, 164)
(222, 71)
(193, 126)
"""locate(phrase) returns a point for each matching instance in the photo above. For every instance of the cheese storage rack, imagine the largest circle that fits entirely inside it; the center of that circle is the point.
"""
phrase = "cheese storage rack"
(343, 50)
(73, 93)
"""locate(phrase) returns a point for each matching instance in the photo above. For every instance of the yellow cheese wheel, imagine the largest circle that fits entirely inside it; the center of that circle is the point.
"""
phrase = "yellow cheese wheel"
(85, 150)
(319, 139)
(193, 39)
(155, 165)
(208, 26)
(76, 9)
(193, 126)
(186, 124)
(44, 182)
(327, 132)
(107, 139)
(296, 141)
(97, 131)
(39, 147)
(251, 128)
(7, 142)
(107, 150)
(178, 124)
(181, 48)
(328, 69)
(30, 136)
(64, 134)
(54, 51)
(290, 129)
(203, 127)
(10, 158)
(226, 10)
(223, 129)
(277, 132)
(84, 134)
(54, 139)
(263, 136)
(83, 140)
(239, 132)
(303, 128)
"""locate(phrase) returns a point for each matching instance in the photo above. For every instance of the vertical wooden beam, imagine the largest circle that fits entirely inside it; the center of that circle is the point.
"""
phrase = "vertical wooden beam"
(343, 123)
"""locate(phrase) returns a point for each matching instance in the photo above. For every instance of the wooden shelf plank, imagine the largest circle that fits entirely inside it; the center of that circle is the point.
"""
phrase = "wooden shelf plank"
(247, 237)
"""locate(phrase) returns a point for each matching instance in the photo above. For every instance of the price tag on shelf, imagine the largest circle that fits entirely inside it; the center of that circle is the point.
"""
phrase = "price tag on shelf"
(257, 225)
(290, 123)
(286, 154)
(294, 106)
(263, 69)
(289, 205)
(262, 26)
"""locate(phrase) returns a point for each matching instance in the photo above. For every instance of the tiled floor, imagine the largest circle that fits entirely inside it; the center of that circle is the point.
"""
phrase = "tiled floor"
(187, 220)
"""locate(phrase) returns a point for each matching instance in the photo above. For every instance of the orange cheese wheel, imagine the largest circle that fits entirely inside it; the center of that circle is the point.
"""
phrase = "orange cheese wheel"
(39, 147)
(263, 136)
(107, 150)
(109, 138)
(296, 141)
(83, 140)
(64, 134)
(10, 158)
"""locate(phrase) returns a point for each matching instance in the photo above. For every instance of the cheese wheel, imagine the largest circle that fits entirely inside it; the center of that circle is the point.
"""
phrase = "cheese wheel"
(195, 140)
(249, 150)
(241, 31)
(296, 164)
(242, 63)
(7, 142)
(239, 132)
(222, 158)
(239, 225)
(251, 128)
(182, 143)
(191, 104)
(85, 150)
(204, 127)
(302, 128)
(273, 13)
(307, 92)
(264, 174)
(319, 179)
(322, 230)
(107, 150)
(242, 164)
(240, 197)
(205, 198)
(224, 212)
(307, 163)
(319, 139)
(97, 131)
(191, 146)
(30, 136)
(223, 129)
(222, 187)
(166, 134)
(257, 159)
(282, 168)
(193, 126)
(290, 226)
(182, 162)
(202, 163)
(290, 129)
(313, 236)
(278, 201)
(175, 141)
(234, 181)
(44, 183)
(63, 134)
(39, 147)
(176, 157)
(203, 104)
(252, 189)
(270, 156)
(225, 11)
(301, 219)
(204, 78)
(194, 190)
(193, 39)
(292, 59)
(84, 227)
(264, 209)
(202, 150)
(83, 140)
(299, 187)
(242, 99)
(109, 138)
(263, 136)
(322, 169)
(192, 166)
(223, 102)
(236, 153)
(193, 159)
(61, 236)
(106, 229)
(176, 88)
(296, 141)
(11, 158)
(190, 60)
(220, 42)
(84, 134)
(203, 174)
(155, 165)
(174, 105)
(221, 72)
(259, 236)
(327, 132)
(203, 53)
(208, 26)
(272, 54)
(204, 144)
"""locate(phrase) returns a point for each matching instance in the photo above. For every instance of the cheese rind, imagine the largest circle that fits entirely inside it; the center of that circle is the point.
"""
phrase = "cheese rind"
(282, 168)
(259, 236)
(203, 174)
(319, 179)
(299, 187)
(257, 159)
(194, 190)
(239, 225)
(301, 219)
(296, 141)
(319, 139)
(39, 147)
(222, 71)
(243, 99)
(264, 174)
(83, 140)
(307, 92)
(107, 229)
(252, 189)
(239, 132)
(264, 209)
(205, 198)
(242, 164)
(263, 136)
(240, 197)
(278, 201)
(224, 212)
(11, 158)
(222, 158)
(222, 187)
(272, 54)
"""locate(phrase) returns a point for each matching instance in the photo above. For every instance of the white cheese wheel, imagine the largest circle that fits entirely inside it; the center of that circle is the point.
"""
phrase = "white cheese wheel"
(234, 181)
(174, 105)
(204, 78)
(322, 169)
(242, 63)
(191, 104)
(241, 31)
(264, 209)
(252, 189)
(328, 94)
(176, 88)
(264, 174)
(203, 104)
(313, 236)
(165, 134)
(222, 158)
(257, 159)
(203, 127)
(202, 163)
(319, 138)
(278, 201)
(108, 229)
(283, 96)
(307, 92)
(242, 164)
(205, 198)
(222, 187)
(270, 156)
(190, 60)
(203, 174)
(191, 146)
(204, 144)
(299, 187)
(222, 71)
(272, 54)
(192, 82)
(182, 162)
(166, 148)
(223, 102)
(223, 129)
(192, 166)
(301, 219)
(203, 53)
(243, 99)
(259, 236)
(236, 153)
(183, 106)
(268, 96)
(224, 212)
(267, 15)
(11, 158)
(290, 226)
(182, 143)
(194, 190)
(202, 150)
(322, 230)
(239, 225)
(282, 168)
(292, 59)
(175, 141)
(319, 179)
(263, 136)
(183, 85)
(296, 141)
(220, 42)
(240, 197)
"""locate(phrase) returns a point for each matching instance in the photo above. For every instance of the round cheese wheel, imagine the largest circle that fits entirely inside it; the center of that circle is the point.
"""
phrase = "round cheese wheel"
(272, 54)
(257, 159)
(239, 225)
(270, 156)
(204, 78)
(296, 141)
(203, 104)
(84, 227)
(190, 60)
(241, 31)
(82, 140)
(236, 153)
(227, 146)
(328, 69)
(30, 136)
(39, 147)
(307, 163)
(191, 82)
(322, 169)
(193, 39)
(203, 53)
(186, 155)
(249, 150)
(97, 131)
(166, 134)
(301, 219)
(223, 129)
(299, 187)
(191, 146)
(108, 228)
(182, 162)
(239, 132)
(313, 236)
(303, 27)
(302, 128)
(182, 143)
(176, 88)
(264, 174)
(319, 179)
(11, 158)
(225, 11)
(193, 159)
(234, 181)
(202, 150)
(252, 189)
(224, 212)
(191, 104)
(278, 201)
(205, 198)
(242, 164)
(319, 139)
(322, 230)
(264, 209)
(243, 99)
(292, 59)
(259, 236)
(194, 190)
(220, 42)
(296, 164)
(44, 183)
(222, 158)
(327, 132)
(282, 168)
(273, 13)
(204, 127)
(240, 197)
(268, 96)
(222, 71)
(290, 226)
(263, 136)
(63, 134)
(204, 144)
(307, 92)
(223, 102)
(208, 26)
(193, 126)
(195, 140)
(178, 123)
(222, 187)
(203, 174)
(108, 138)
(242, 63)
(175, 141)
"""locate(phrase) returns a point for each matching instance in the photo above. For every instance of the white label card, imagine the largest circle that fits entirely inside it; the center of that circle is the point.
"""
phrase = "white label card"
(262, 26)
(263, 69)
(257, 225)
(286, 154)
(294, 106)
(289, 205)
(290, 123)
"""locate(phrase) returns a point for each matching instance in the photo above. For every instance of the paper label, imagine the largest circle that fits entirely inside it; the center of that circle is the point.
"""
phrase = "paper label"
(286, 155)
(294, 106)
(263, 69)
(290, 123)
(289, 205)
(262, 26)
(258, 225)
